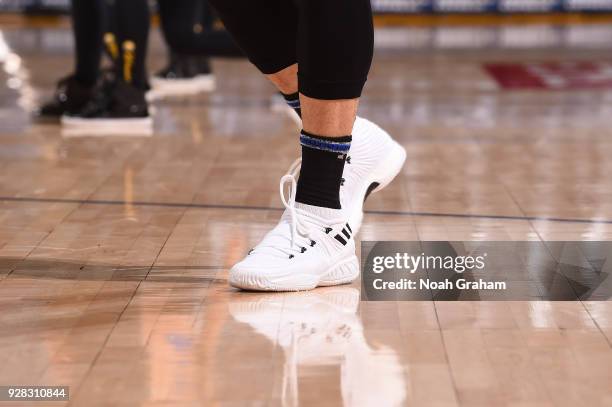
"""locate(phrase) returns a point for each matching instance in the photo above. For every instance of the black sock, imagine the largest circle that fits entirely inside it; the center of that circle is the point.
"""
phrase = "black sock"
(321, 173)
(87, 25)
(293, 100)
(132, 21)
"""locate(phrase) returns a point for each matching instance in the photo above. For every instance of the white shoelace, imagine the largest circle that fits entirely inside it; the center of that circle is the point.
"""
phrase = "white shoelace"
(303, 223)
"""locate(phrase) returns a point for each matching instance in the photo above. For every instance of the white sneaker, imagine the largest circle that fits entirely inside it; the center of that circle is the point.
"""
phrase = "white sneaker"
(73, 126)
(310, 247)
(373, 161)
(165, 87)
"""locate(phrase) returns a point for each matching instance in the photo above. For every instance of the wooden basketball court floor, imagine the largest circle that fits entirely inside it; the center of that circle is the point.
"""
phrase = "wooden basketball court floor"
(114, 251)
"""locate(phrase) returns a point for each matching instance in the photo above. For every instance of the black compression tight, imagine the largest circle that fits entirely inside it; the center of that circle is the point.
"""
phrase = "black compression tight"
(330, 40)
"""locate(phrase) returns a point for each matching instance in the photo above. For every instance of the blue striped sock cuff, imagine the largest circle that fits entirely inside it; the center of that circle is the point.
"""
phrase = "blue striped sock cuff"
(293, 100)
(332, 144)
(294, 104)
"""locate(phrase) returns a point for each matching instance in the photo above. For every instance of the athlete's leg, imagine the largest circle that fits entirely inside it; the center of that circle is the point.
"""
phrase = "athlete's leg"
(312, 244)
(286, 80)
(335, 42)
(335, 46)
(331, 40)
(266, 30)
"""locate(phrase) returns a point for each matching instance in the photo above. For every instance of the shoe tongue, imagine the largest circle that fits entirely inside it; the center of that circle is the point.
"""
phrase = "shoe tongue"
(325, 213)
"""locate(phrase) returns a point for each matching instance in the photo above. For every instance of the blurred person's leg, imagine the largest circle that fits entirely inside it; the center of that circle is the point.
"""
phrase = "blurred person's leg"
(111, 42)
(132, 19)
(88, 26)
(120, 104)
(127, 26)
(75, 90)
(187, 27)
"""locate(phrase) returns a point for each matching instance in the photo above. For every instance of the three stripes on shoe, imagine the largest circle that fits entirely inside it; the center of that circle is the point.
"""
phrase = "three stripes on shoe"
(346, 231)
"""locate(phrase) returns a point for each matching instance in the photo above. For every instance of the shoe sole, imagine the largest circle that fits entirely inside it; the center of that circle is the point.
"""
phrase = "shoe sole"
(181, 87)
(389, 167)
(343, 272)
(76, 126)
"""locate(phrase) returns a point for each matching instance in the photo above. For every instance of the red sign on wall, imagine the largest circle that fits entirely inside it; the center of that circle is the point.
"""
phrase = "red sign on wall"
(552, 75)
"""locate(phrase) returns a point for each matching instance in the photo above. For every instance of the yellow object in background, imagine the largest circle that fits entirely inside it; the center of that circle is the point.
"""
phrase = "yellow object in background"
(129, 48)
(111, 45)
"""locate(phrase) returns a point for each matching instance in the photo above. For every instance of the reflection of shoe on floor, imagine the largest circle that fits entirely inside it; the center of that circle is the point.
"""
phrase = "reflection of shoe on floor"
(279, 316)
(321, 328)
(338, 299)
(118, 108)
(70, 97)
(185, 75)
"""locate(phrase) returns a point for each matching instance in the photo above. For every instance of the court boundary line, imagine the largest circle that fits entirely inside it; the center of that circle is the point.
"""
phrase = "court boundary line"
(271, 208)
